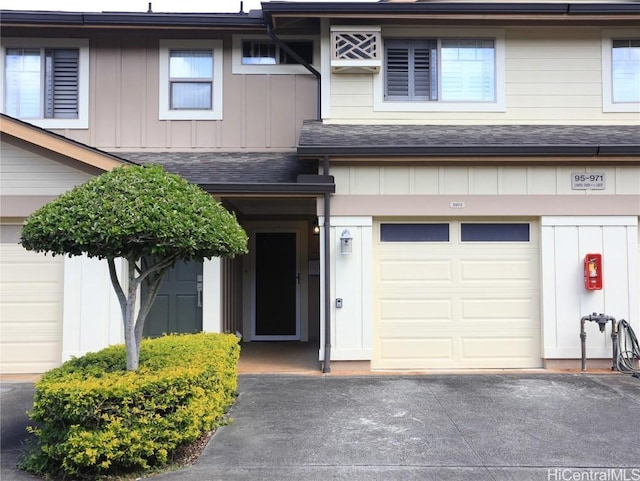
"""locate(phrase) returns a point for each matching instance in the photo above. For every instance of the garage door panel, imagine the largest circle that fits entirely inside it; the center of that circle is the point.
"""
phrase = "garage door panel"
(410, 271)
(504, 270)
(496, 308)
(457, 304)
(416, 309)
(521, 347)
(433, 349)
(39, 313)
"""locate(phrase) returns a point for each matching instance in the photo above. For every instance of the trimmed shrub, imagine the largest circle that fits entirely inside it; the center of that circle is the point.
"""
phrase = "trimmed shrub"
(93, 417)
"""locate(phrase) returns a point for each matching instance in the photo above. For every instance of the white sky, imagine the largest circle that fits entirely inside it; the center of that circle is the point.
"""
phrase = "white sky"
(211, 6)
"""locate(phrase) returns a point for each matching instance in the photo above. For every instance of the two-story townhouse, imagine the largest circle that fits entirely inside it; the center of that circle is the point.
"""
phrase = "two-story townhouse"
(211, 97)
(461, 160)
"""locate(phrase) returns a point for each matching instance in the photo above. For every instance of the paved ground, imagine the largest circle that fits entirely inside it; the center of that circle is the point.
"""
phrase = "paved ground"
(435, 427)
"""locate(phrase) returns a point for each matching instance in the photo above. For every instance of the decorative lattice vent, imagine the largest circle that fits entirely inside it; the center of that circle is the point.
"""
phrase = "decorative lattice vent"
(356, 49)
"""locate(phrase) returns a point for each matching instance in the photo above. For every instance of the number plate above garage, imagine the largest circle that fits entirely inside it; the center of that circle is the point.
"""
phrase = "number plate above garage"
(587, 181)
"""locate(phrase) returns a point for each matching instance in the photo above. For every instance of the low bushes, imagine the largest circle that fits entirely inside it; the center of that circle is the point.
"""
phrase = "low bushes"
(93, 417)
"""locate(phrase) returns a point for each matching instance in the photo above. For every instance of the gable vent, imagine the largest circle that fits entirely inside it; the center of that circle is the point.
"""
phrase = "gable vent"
(356, 49)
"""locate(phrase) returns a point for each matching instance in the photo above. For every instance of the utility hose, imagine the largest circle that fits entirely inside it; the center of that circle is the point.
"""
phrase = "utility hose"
(628, 349)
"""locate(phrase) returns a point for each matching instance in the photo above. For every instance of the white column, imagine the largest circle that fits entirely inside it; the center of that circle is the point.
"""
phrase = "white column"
(352, 324)
(211, 295)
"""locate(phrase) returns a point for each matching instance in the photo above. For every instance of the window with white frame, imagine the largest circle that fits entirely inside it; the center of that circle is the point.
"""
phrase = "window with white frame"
(621, 71)
(444, 70)
(45, 81)
(258, 54)
(448, 70)
(190, 80)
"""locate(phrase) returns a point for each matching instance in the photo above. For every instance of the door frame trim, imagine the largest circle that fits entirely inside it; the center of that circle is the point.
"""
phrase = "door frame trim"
(268, 230)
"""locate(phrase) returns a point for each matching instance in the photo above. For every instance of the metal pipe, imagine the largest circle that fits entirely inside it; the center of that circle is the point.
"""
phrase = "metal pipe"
(302, 62)
(326, 366)
(583, 342)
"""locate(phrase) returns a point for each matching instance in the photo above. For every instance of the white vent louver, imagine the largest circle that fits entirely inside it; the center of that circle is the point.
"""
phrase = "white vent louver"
(356, 49)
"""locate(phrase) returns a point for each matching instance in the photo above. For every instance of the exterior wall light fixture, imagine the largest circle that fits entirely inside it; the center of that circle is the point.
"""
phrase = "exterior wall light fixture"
(346, 242)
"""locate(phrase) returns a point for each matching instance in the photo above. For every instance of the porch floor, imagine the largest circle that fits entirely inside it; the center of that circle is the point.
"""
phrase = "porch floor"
(279, 357)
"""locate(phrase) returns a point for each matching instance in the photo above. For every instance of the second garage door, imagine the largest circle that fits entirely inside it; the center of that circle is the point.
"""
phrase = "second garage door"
(456, 294)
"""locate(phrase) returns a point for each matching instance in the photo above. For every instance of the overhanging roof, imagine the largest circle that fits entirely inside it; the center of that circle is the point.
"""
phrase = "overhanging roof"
(252, 19)
(488, 141)
(251, 173)
(530, 11)
(50, 141)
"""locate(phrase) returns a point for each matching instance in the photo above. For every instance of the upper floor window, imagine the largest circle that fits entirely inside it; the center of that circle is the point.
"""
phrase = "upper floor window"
(266, 52)
(190, 80)
(620, 71)
(446, 70)
(443, 72)
(258, 54)
(46, 85)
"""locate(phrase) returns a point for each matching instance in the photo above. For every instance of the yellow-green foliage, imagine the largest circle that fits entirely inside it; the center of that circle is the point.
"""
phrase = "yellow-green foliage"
(94, 417)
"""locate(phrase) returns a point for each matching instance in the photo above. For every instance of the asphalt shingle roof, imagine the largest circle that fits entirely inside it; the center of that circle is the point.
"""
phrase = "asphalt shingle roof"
(318, 138)
(229, 167)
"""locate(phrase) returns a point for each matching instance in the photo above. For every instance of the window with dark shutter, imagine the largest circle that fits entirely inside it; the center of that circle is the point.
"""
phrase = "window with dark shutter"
(440, 70)
(61, 84)
(410, 70)
(42, 83)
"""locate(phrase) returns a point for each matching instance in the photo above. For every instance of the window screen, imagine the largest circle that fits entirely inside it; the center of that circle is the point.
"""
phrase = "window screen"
(495, 232)
(414, 232)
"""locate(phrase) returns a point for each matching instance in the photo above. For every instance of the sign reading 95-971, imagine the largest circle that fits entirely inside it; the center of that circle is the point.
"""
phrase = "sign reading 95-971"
(587, 181)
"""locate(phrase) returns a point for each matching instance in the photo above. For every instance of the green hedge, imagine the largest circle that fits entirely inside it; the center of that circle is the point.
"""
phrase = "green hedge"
(93, 417)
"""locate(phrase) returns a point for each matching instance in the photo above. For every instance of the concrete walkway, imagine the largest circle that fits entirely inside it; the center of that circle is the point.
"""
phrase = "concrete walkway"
(430, 427)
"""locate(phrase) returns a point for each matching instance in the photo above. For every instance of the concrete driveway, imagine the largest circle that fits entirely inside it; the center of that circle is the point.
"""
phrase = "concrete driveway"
(433, 427)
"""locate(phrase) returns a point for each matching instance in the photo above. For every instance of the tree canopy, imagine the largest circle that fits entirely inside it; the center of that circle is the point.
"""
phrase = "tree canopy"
(135, 211)
(148, 217)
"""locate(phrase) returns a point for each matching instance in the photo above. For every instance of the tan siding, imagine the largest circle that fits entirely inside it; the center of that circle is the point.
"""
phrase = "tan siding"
(373, 180)
(25, 173)
(31, 310)
(260, 112)
(553, 75)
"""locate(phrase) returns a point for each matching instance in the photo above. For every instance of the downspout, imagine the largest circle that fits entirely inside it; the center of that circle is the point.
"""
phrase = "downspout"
(326, 367)
(302, 62)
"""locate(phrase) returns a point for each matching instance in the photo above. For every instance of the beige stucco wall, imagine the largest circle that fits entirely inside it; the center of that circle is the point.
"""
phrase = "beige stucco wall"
(553, 75)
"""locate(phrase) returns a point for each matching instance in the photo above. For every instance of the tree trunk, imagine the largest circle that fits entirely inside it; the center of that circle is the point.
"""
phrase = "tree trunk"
(131, 345)
(133, 327)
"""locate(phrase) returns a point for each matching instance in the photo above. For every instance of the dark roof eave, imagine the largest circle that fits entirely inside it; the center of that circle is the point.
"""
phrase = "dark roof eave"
(568, 8)
(286, 189)
(236, 20)
(471, 150)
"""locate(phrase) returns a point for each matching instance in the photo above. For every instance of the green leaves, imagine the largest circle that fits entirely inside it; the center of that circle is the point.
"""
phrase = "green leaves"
(135, 211)
(93, 418)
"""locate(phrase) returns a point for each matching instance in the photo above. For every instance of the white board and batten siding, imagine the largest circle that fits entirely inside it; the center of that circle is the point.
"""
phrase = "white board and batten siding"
(441, 305)
(565, 242)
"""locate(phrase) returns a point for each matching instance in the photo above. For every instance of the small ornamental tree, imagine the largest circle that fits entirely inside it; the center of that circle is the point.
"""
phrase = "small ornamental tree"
(145, 215)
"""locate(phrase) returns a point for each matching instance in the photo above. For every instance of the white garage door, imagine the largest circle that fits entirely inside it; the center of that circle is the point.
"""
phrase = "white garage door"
(31, 296)
(456, 294)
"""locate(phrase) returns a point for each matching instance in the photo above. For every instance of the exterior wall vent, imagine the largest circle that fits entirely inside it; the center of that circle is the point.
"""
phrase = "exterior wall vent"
(356, 49)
